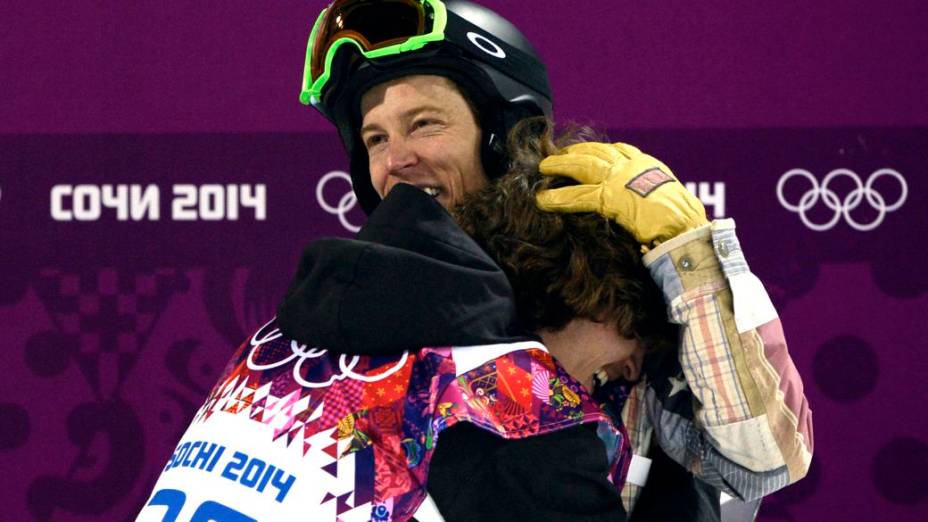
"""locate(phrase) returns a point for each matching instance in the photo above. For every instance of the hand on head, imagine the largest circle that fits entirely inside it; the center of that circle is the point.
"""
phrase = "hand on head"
(621, 183)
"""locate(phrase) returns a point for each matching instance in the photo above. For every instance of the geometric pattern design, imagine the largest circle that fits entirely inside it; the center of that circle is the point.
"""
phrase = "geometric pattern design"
(385, 429)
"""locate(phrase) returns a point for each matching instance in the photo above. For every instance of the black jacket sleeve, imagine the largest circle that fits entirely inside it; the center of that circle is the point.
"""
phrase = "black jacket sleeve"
(413, 278)
(560, 476)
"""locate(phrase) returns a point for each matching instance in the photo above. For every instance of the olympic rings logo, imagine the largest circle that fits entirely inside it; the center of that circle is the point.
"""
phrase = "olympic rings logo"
(301, 354)
(345, 204)
(850, 202)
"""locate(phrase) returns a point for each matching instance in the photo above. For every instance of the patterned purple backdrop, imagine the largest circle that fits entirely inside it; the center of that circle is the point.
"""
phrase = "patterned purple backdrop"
(134, 260)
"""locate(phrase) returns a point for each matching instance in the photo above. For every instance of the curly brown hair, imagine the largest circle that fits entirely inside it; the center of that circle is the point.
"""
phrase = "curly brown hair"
(562, 266)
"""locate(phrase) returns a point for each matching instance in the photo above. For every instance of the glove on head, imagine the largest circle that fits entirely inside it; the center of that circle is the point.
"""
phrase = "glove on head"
(623, 184)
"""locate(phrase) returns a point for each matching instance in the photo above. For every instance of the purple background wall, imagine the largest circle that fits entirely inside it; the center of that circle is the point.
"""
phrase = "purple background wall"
(114, 330)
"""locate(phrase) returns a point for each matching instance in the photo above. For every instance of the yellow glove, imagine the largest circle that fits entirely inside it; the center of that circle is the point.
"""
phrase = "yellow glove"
(621, 183)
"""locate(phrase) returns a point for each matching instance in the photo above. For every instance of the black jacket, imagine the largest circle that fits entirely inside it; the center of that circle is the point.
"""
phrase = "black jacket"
(413, 279)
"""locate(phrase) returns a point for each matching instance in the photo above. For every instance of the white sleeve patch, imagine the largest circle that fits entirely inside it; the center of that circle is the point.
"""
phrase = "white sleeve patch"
(751, 302)
(638, 470)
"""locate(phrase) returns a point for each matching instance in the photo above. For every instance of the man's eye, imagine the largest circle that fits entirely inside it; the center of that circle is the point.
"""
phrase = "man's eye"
(373, 141)
(418, 124)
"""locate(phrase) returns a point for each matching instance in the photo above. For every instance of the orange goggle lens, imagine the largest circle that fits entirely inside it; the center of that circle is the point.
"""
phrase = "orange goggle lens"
(372, 24)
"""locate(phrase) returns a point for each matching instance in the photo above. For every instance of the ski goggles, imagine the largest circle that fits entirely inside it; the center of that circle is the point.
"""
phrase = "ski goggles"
(377, 28)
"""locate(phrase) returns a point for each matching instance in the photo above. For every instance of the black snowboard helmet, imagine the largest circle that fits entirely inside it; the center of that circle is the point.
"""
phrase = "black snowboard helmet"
(357, 44)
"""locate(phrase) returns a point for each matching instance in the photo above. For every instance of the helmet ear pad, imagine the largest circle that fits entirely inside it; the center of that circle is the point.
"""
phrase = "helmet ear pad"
(361, 180)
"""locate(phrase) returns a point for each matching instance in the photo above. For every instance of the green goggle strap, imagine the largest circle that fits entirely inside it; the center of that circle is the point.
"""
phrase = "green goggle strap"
(311, 93)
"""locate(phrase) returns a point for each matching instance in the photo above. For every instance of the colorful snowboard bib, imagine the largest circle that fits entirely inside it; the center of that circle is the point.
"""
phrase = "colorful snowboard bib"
(292, 432)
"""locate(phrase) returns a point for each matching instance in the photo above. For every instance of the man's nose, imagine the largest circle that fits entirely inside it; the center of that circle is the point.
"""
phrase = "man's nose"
(400, 155)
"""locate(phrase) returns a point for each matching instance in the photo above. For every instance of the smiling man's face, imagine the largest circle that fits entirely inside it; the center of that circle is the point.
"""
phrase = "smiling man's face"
(420, 130)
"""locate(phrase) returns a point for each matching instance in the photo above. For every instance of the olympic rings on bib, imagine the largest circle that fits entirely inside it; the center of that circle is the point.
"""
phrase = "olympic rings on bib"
(850, 202)
(300, 353)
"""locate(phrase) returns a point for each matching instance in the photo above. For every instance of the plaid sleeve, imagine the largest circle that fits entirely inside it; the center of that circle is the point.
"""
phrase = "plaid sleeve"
(639, 429)
(733, 410)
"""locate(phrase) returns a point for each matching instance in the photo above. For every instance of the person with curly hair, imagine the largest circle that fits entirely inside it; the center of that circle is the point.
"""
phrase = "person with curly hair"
(578, 279)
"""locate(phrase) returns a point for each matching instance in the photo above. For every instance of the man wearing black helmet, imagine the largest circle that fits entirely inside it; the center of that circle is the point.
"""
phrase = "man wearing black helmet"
(423, 93)
(488, 60)
(293, 431)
